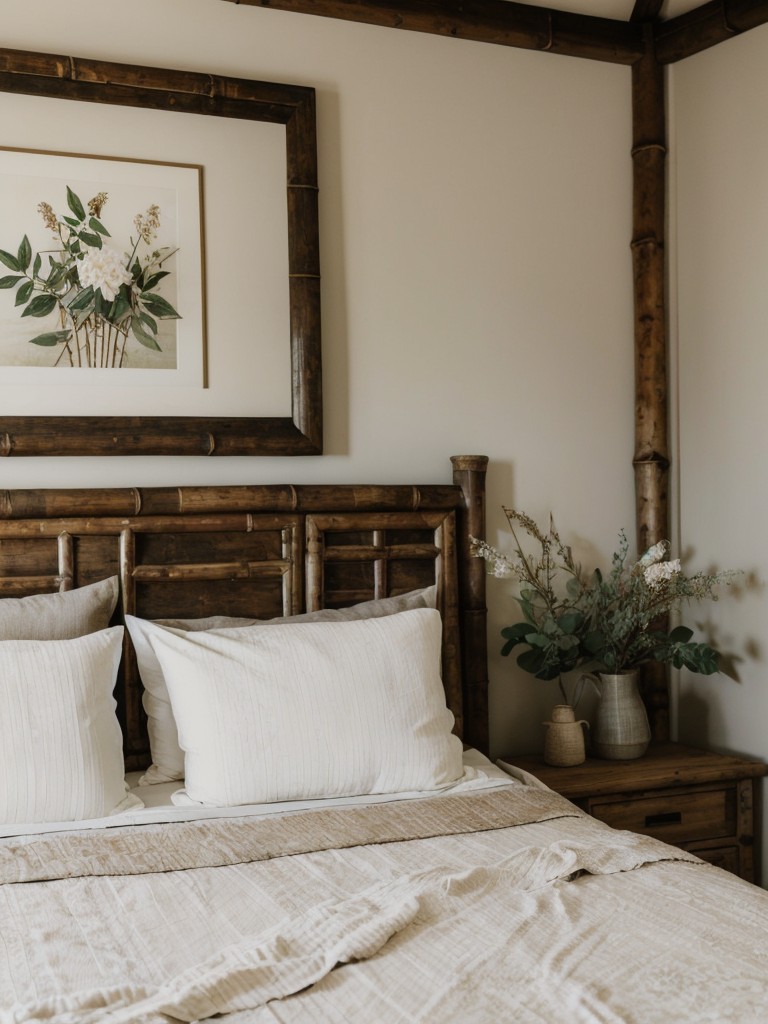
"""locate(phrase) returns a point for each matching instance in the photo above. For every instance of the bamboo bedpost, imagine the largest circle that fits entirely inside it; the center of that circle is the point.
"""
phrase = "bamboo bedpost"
(651, 458)
(469, 474)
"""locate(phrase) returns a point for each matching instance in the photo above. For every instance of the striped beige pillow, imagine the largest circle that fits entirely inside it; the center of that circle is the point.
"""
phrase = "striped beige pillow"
(61, 756)
(318, 709)
(59, 616)
(167, 755)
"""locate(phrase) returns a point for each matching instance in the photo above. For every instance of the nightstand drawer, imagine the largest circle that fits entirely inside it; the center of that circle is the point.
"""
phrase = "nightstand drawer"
(727, 857)
(699, 800)
(676, 817)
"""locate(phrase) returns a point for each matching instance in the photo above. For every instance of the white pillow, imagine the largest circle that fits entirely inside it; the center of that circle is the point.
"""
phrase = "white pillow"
(61, 753)
(308, 710)
(59, 616)
(167, 755)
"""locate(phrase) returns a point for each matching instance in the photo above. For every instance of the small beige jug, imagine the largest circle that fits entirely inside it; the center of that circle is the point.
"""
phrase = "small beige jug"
(564, 740)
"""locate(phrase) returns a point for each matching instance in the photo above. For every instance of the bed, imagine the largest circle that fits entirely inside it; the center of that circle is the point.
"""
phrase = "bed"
(209, 812)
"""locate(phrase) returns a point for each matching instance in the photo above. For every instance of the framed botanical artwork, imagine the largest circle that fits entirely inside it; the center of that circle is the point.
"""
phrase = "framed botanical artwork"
(116, 280)
(110, 279)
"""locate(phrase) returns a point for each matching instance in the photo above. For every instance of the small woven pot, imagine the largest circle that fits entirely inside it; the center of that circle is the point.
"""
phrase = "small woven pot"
(564, 740)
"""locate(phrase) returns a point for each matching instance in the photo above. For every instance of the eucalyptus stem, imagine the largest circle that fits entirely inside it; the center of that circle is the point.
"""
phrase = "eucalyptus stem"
(561, 684)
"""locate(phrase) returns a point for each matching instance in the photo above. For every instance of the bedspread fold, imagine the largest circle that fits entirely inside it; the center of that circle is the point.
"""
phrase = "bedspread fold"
(132, 850)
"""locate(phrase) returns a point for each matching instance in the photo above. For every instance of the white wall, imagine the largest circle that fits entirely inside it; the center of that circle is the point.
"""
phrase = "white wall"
(475, 217)
(720, 138)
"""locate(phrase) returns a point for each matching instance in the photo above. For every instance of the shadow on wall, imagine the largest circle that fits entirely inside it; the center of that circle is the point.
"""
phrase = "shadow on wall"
(694, 718)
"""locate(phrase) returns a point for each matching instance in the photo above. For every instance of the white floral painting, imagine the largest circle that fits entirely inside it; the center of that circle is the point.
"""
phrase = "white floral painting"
(101, 269)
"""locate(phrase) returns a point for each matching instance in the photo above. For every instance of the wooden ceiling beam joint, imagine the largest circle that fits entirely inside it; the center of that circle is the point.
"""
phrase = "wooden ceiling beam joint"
(646, 10)
(706, 26)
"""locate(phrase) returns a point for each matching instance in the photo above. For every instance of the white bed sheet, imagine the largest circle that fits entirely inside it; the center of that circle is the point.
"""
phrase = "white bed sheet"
(166, 802)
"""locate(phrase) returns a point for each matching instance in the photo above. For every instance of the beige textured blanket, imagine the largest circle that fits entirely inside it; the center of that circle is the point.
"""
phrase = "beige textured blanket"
(559, 919)
(133, 850)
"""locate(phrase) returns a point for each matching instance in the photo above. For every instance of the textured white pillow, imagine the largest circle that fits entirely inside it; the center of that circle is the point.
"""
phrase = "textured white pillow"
(59, 616)
(167, 755)
(308, 710)
(61, 756)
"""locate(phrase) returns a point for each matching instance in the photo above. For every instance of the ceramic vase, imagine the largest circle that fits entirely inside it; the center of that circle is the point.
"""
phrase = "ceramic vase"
(564, 740)
(620, 730)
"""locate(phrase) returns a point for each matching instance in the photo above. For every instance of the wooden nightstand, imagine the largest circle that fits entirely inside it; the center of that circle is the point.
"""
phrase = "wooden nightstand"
(700, 801)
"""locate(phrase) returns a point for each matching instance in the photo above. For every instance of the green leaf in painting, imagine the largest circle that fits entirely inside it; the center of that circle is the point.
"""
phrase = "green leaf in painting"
(10, 281)
(96, 225)
(141, 335)
(83, 299)
(120, 307)
(154, 280)
(41, 305)
(91, 239)
(56, 278)
(10, 261)
(159, 306)
(73, 202)
(148, 321)
(25, 253)
(37, 265)
(24, 293)
(51, 338)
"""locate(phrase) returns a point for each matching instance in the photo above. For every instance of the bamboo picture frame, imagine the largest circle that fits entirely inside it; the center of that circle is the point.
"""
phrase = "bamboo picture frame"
(63, 77)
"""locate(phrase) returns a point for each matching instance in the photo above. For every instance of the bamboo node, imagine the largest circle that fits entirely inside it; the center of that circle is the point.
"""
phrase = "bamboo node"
(550, 33)
(644, 147)
(723, 11)
(646, 240)
(651, 459)
(136, 501)
(6, 444)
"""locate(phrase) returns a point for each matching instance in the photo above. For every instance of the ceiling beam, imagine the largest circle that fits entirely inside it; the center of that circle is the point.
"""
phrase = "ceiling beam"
(646, 10)
(503, 22)
(706, 26)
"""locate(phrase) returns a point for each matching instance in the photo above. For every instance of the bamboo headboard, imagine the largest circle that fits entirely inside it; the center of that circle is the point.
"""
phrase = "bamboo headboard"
(262, 551)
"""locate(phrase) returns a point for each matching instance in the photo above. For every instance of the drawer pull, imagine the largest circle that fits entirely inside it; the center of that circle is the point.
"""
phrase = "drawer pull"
(670, 818)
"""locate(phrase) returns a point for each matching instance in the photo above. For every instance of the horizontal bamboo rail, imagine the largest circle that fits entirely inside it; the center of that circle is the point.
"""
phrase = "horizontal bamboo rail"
(206, 507)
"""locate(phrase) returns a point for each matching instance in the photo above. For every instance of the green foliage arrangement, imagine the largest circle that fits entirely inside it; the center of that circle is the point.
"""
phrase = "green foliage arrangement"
(102, 297)
(608, 623)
